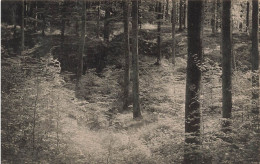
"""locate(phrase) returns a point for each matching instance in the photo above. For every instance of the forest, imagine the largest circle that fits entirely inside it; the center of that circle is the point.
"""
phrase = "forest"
(130, 81)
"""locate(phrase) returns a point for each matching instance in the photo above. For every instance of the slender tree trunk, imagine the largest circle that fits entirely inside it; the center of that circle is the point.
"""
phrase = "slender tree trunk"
(139, 14)
(226, 64)
(136, 103)
(213, 20)
(82, 48)
(22, 28)
(180, 15)
(127, 55)
(98, 19)
(192, 103)
(217, 15)
(159, 19)
(167, 10)
(173, 30)
(36, 16)
(43, 24)
(255, 56)
(63, 23)
(106, 21)
(184, 14)
(247, 15)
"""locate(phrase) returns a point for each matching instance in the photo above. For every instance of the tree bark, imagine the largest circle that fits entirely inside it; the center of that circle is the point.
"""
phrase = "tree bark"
(98, 19)
(173, 30)
(106, 21)
(127, 55)
(136, 103)
(247, 15)
(192, 103)
(213, 20)
(226, 64)
(22, 28)
(255, 56)
(159, 19)
(180, 15)
(82, 48)
(184, 14)
(167, 10)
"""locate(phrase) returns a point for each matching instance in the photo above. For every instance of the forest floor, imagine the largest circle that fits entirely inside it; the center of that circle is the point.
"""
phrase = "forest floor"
(83, 125)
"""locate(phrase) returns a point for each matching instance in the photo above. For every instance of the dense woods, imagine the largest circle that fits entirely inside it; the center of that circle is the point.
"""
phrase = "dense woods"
(130, 81)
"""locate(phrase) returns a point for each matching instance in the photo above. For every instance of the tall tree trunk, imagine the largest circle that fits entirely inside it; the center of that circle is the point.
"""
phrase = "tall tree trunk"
(255, 56)
(98, 19)
(247, 15)
(173, 30)
(43, 24)
(106, 21)
(167, 10)
(226, 64)
(136, 103)
(159, 19)
(180, 15)
(184, 13)
(217, 15)
(213, 20)
(63, 23)
(22, 28)
(127, 55)
(192, 103)
(139, 14)
(82, 48)
(103, 58)
(36, 16)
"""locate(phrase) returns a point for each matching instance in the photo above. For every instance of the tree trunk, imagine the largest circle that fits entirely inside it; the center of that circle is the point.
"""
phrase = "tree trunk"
(43, 24)
(180, 15)
(217, 15)
(136, 103)
(184, 14)
(192, 103)
(226, 64)
(247, 16)
(127, 55)
(106, 21)
(22, 28)
(255, 56)
(159, 18)
(82, 48)
(213, 20)
(98, 19)
(36, 16)
(173, 30)
(167, 10)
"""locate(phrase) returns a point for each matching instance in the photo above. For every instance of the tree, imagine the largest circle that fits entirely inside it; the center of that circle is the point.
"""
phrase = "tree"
(192, 103)
(184, 13)
(22, 28)
(247, 15)
(226, 63)
(136, 103)
(83, 33)
(106, 21)
(126, 53)
(159, 17)
(255, 56)
(180, 15)
(167, 10)
(173, 30)
(98, 19)
(213, 20)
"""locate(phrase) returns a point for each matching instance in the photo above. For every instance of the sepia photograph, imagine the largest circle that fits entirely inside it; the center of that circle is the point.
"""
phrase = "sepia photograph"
(130, 82)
